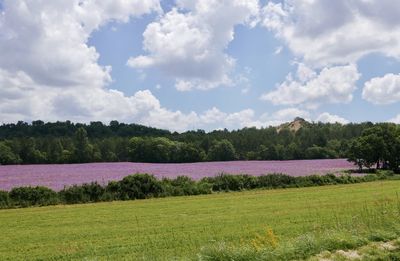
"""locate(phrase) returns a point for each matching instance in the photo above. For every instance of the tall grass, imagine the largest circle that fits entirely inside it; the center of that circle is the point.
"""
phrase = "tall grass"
(176, 228)
(379, 222)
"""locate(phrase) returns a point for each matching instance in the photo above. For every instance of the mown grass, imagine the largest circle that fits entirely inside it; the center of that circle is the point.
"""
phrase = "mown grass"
(179, 227)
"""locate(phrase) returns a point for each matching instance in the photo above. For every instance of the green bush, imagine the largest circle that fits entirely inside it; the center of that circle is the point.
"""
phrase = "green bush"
(5, 201)
(139, 186)
(73, 195)
(180, 186)
(94, 191)
(88, 192)
(226, 182)
(276, 181)
(33, 196)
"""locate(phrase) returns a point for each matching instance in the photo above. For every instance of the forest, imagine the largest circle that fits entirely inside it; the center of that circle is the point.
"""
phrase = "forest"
(366, 144)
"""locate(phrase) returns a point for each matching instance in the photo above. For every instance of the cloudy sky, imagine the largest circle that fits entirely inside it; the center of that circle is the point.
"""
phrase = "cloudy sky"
(189, 64)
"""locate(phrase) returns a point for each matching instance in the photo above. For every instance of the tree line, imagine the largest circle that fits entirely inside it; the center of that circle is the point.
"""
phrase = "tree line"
(67, 142)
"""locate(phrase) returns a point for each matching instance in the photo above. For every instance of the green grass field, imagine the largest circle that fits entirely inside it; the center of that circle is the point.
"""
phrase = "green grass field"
(179, 227)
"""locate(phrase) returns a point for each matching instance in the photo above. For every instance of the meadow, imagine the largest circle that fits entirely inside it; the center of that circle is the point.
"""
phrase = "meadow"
(184, 227)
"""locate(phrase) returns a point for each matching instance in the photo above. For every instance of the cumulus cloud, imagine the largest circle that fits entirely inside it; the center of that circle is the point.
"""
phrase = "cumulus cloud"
(326, 33)
(48, 70)
(188, 43)
(214, 116)
(289, 114)
(383, 90)
(395, 119)
(309, 88)
(248, 118)
(330, 118)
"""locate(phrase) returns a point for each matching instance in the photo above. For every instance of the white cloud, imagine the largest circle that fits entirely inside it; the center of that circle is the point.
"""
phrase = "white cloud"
(239, 119)
(395, 119)
(326, 33)
(48, 39)
(383, 90)
(243, 118)
(188, 43)
(331, 85)
(278, 50)
(248, 118)
(283, 116)
(49, 72)
(57, 76)
(330, 118)
(289, 114)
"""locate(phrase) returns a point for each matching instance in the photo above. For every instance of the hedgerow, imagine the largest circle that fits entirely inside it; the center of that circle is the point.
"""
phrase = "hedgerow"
(142, 186)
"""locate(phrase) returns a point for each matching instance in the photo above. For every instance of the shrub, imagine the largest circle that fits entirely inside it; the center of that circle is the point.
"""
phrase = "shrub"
(33, 196)
(139, 186)
(112, 189)
(276, 181)
(180, 186)
(225, 182)
(94, 191)
(74, 195)
(4, 199)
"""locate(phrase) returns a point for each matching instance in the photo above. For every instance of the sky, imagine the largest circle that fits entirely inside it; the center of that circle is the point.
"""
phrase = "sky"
(200, 64)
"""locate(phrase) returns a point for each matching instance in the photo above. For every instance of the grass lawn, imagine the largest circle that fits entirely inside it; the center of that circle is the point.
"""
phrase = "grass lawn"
(179, 227)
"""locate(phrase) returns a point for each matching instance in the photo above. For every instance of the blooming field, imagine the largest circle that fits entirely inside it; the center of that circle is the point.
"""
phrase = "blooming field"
(58, 176)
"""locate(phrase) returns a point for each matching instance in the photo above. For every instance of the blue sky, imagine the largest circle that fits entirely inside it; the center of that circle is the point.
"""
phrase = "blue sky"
(189, 64)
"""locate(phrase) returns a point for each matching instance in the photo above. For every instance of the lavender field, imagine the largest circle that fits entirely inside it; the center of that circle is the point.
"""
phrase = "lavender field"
(58, 176)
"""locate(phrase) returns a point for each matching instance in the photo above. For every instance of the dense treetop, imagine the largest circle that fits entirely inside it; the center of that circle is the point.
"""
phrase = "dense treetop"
(67, 142)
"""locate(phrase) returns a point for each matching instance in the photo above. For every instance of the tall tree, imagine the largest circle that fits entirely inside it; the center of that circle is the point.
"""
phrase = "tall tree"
(83, 149)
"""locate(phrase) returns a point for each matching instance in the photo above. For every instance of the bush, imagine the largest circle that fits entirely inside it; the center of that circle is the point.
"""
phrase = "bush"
(88, 192)
(112, 190)
(226, 182)
(180, 186)
(33, 196)
(139, 186)
(73, 195)
(4, 199)
(94, 191)
(276, 181)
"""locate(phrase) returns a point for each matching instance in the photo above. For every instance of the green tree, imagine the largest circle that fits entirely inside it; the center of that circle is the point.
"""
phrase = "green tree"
(83, 149)
(7, 156)
(222, 151)
(54, 151)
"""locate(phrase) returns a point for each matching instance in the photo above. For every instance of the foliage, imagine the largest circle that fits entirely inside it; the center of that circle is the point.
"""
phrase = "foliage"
(33, 196)
(222, 151)
(184, 185)
(142, 186)
(92, 192)
(83, 150)
(378, 145)
(161, 149)
(66, 142)
(139, 186)
(5, 201)
(7, 156)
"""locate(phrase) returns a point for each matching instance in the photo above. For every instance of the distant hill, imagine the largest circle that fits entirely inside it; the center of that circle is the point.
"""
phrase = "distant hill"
(293, 126)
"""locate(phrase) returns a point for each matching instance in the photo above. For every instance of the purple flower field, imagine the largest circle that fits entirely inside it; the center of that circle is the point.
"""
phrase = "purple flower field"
(58, 176)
